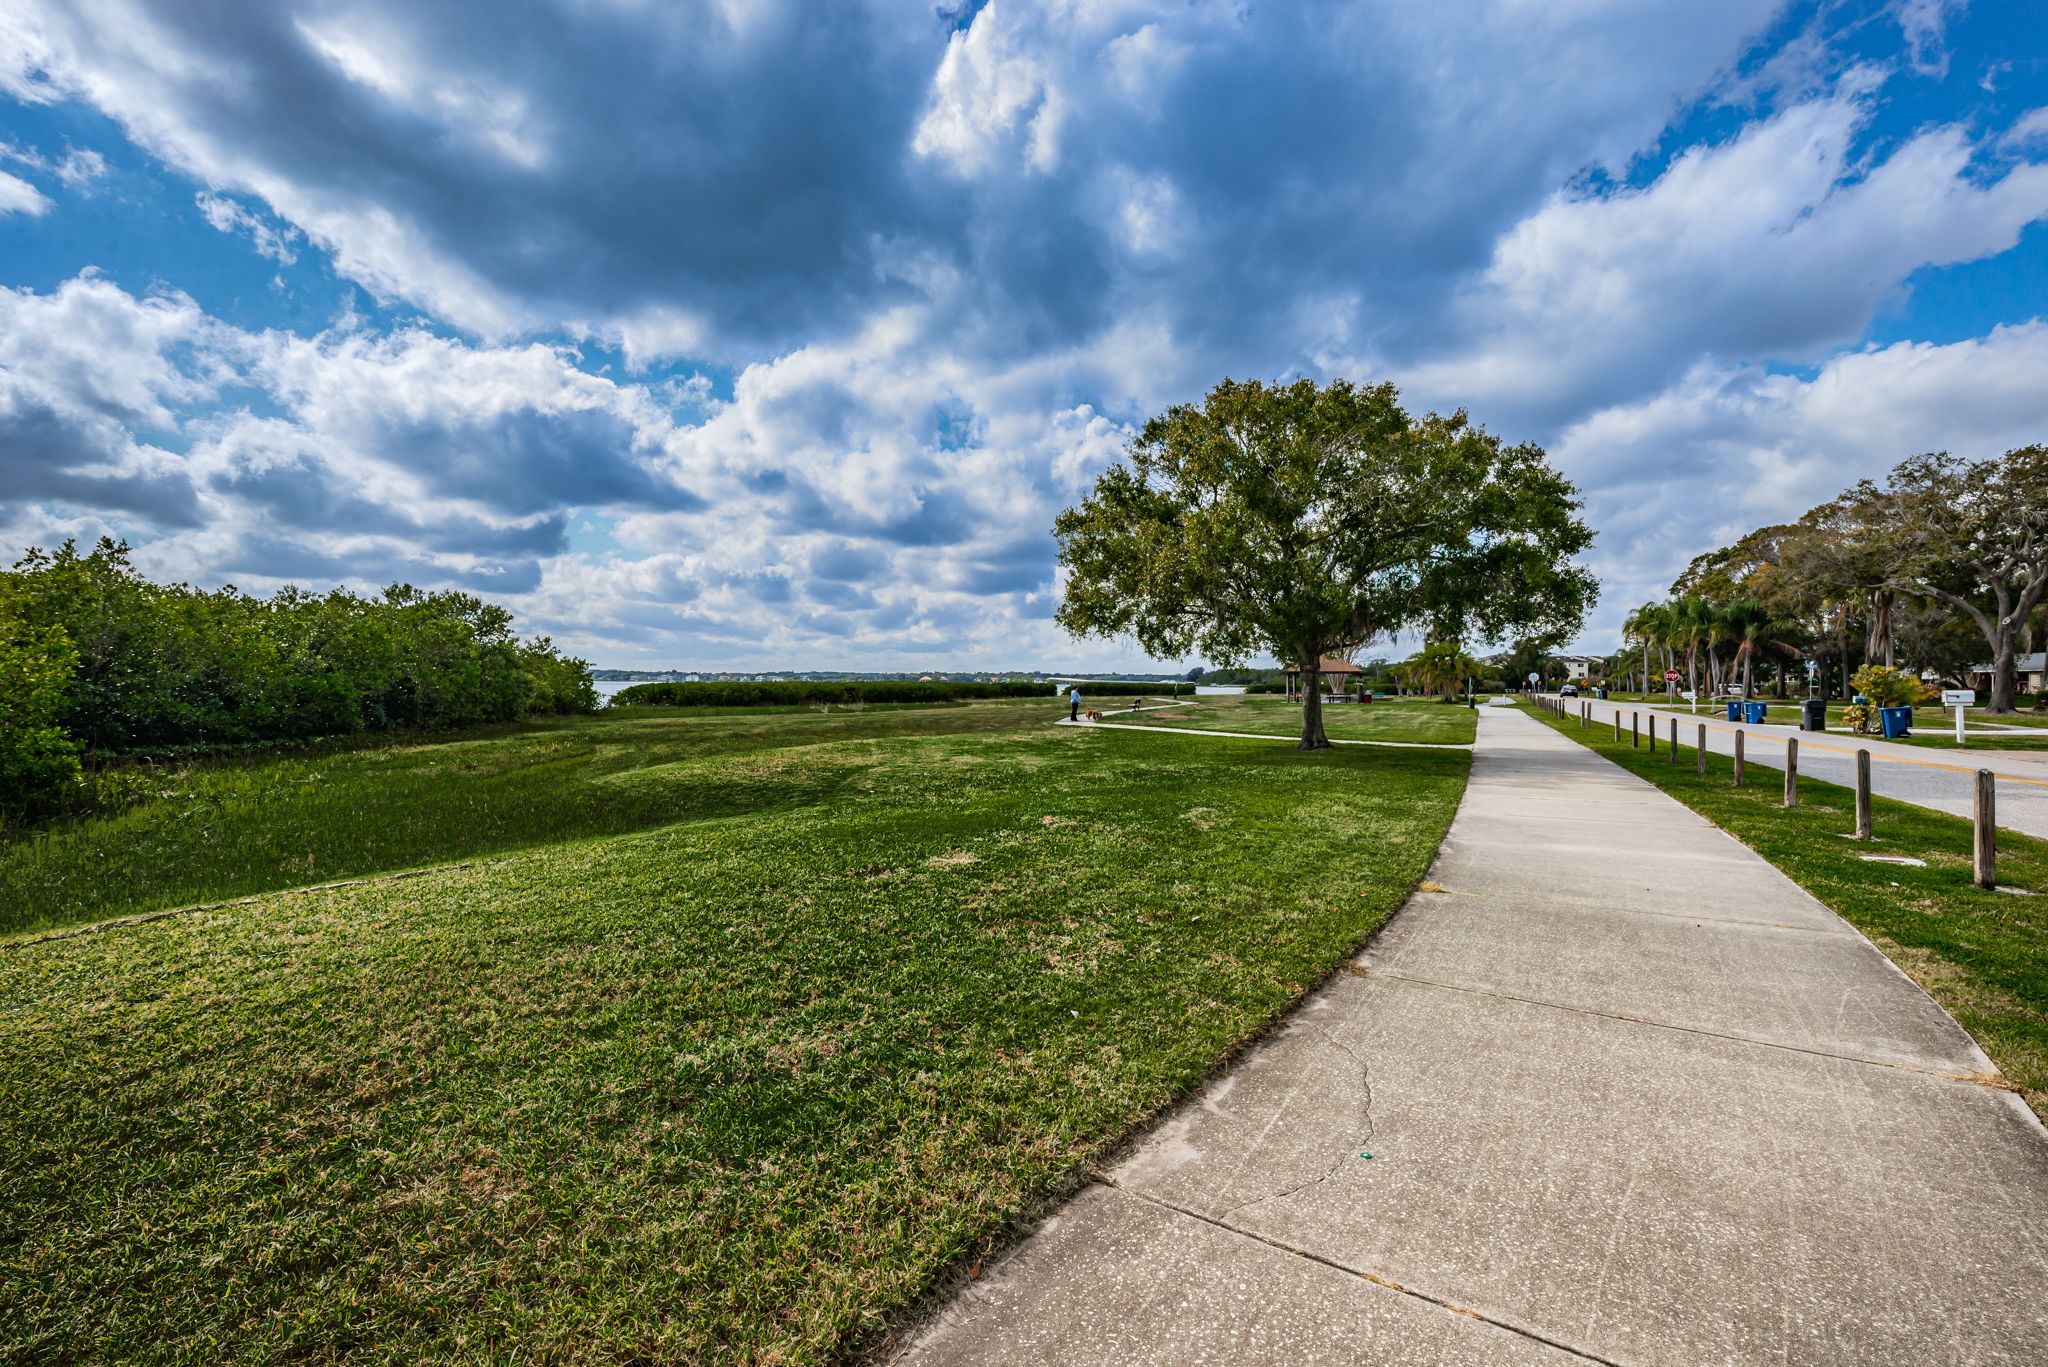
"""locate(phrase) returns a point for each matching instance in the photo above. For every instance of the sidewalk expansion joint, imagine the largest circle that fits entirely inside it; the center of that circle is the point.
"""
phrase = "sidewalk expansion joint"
(1389, 1283)
(1994, 1081)
(1701, 919)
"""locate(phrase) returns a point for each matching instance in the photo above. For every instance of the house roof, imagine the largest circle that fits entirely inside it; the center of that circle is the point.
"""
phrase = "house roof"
(1330, 666)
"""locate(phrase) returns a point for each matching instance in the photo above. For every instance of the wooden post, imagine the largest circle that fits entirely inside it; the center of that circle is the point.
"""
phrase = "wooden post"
(1863, 795)
(1699, 751)
(1740, 775)
(1986, 820)
(1635, 730)
(1653, 735)
(1672, 757)
(1792, 771)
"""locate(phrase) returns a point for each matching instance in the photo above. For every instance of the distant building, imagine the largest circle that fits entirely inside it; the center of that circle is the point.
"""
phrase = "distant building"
(1581, 667)
(2032, 671)
(1341, 674)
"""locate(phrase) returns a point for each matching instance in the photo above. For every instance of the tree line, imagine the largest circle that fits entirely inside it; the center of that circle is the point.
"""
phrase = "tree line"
(96, 660)
(1939, 566)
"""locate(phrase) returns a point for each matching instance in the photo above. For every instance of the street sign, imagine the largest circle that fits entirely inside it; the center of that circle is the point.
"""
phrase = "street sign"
(1688, 695)
(1670, 676)
(1534, 677)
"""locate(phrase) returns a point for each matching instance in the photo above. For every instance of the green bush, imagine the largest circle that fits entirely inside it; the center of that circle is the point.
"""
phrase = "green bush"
(37, 760)
(1885, 686)
(167, 667)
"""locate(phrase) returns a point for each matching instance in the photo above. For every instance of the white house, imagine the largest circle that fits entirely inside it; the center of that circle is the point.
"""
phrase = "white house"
(1578, 668)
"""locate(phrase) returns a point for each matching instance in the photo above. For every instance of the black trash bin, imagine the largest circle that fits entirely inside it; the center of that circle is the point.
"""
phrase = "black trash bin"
(1813, 714)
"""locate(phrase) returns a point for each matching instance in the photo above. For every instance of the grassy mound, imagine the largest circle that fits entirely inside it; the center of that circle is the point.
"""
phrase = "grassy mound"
(211, 830)
(732, 1089)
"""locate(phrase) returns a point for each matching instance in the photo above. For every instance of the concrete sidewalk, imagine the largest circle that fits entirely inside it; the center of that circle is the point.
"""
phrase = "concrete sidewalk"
(1630, 1096)
(1936, 779)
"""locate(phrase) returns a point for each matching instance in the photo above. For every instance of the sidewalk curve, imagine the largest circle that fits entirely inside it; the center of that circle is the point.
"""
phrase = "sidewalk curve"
(1631, 1097)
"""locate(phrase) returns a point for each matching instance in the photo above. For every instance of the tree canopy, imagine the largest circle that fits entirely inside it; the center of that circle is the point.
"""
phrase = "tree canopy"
(94, 657)
(1305, 520)
(1915, 564)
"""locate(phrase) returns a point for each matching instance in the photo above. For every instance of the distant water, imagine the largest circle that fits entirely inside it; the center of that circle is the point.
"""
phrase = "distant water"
(607, 687)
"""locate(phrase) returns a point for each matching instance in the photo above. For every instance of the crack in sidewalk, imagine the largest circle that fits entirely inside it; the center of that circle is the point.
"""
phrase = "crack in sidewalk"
(1365, 1108)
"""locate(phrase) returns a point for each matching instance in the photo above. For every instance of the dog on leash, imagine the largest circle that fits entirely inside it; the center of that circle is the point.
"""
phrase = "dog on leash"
(1092, 714)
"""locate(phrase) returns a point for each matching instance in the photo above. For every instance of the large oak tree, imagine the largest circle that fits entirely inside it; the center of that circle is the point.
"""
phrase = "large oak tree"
(1306, 520)
(1971, 535)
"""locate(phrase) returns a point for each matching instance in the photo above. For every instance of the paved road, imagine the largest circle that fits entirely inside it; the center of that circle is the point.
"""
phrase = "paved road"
(1659, 1109)
(1940, 779)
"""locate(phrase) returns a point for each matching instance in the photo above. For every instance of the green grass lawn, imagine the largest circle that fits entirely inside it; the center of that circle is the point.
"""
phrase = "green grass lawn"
(1982, 955)
(737, 1086)
(228, 828)
(1416, 720)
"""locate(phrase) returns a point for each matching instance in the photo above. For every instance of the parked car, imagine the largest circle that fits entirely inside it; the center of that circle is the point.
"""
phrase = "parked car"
(1568, 691)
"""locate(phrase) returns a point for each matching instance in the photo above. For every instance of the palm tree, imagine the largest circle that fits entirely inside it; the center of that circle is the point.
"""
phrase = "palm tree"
(1693, 625)
(1756, 631)
(1440, 667)
(1654, 625)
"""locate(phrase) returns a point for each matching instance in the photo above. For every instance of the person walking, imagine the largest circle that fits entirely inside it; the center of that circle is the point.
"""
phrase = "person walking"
(1074, 703)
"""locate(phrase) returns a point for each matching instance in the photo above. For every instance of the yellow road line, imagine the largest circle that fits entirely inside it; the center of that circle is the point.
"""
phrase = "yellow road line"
(1874, 754)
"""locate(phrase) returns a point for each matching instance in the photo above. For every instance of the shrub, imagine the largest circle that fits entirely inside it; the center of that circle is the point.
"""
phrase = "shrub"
(1885, 686)
(37, 760)
(167, 666)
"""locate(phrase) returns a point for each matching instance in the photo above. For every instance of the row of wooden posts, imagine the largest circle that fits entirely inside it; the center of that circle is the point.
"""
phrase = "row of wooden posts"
(1983, 817)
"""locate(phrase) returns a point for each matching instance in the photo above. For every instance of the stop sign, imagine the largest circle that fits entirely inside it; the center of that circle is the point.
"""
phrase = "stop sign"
(1670, 676)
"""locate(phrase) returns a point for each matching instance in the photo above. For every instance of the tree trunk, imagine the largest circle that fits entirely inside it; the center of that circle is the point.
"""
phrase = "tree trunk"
(1312, 737)
(1879, 640)
(1842, 650)
(2003, 670)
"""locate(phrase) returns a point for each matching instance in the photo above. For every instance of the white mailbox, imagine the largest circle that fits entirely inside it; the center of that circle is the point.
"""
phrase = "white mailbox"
(1958, 697)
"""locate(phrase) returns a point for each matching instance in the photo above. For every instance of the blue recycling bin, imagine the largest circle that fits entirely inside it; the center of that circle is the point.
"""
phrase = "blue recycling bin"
(1756, 712)
(1734, 711)
(1895, 721)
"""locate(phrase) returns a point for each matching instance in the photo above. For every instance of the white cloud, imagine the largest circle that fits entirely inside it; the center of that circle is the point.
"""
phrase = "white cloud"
(1729, 449)
(1776, 245)
(1924, 23)
(940, 274)
(229, 217)
(17, 196)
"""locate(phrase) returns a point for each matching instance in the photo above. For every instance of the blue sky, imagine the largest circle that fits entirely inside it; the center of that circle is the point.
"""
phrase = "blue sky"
(746, 332)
